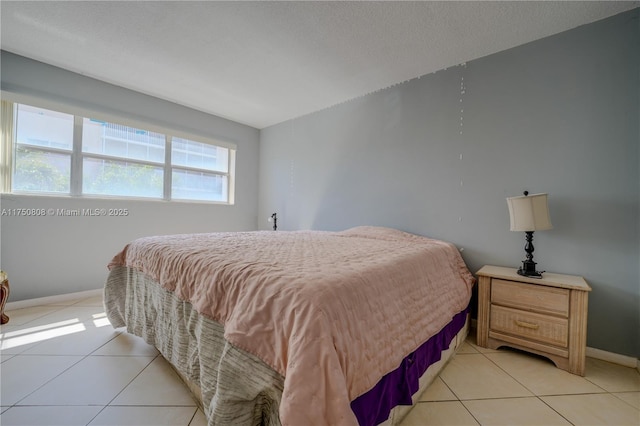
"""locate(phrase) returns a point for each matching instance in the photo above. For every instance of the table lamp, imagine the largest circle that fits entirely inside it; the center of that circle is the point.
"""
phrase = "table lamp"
(273, 219)
(529, 213)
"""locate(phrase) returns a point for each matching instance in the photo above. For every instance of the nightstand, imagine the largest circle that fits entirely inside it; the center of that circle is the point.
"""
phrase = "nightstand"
(4, 295)
(546, 316)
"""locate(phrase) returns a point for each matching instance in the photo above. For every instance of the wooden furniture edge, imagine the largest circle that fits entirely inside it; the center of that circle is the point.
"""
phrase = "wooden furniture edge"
(4, 295)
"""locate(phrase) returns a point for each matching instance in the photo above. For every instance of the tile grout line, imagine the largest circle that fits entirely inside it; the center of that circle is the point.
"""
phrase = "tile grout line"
(479, 399)
(554, 410)
(82, 358)
(132, 380)
(36, 345)
(539, 397)
(121, 390)
(109, 404)
(525, 387)
(193, 417)
(532, 392)
(625, 401)
(507, 373)
(470, 413)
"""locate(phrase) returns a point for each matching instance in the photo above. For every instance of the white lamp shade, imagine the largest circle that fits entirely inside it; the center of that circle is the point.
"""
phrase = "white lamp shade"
(529, 213)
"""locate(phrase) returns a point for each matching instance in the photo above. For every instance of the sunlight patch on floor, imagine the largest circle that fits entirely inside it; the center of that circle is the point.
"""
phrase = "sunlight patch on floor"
(40, 333)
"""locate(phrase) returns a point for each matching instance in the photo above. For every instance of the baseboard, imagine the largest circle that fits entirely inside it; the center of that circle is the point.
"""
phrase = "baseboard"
(624, 360)
(627, 361)
(51, 300)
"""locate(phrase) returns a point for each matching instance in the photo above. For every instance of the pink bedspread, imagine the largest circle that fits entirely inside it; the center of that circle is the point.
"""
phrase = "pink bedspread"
(331, 311)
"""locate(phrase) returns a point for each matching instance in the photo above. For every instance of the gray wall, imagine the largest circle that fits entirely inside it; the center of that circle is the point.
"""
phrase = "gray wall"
(559, 115)
(57, 255)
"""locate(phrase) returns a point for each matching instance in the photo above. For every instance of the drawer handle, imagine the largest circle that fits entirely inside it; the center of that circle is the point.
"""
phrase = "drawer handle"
(527, 325)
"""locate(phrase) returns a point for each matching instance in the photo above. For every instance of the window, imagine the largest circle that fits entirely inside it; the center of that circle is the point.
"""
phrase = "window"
(199, 171)
(121, 160)
(43, 147)
(59, 153)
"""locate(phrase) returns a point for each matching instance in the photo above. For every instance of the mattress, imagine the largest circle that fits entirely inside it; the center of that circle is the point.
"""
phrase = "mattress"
(322, 317)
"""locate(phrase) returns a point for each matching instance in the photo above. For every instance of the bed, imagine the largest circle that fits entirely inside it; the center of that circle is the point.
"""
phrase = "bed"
(298, 327)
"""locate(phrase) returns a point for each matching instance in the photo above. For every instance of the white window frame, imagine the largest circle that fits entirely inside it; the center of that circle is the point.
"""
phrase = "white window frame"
(78, 156)
(228, 174)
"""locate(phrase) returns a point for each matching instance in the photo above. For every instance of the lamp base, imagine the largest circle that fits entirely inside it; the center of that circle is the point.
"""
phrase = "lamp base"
(528, 269)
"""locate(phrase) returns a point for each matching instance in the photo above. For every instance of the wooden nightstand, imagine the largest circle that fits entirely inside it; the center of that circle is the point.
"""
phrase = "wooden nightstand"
(4, 295)
(545, 316)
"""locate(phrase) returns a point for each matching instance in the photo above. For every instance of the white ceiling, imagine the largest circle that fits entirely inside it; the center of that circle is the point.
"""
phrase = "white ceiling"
(261, 63)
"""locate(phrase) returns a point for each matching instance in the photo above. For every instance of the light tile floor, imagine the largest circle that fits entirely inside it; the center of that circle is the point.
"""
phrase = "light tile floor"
(64, 364)
(506, 387)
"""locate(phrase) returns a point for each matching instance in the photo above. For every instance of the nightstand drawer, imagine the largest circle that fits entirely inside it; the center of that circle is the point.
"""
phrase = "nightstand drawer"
(529, 297)
(542, 328)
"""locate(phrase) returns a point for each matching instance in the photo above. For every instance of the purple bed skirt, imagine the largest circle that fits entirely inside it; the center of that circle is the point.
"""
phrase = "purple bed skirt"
(397, 387)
